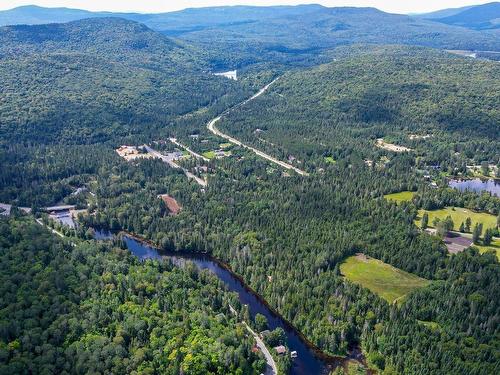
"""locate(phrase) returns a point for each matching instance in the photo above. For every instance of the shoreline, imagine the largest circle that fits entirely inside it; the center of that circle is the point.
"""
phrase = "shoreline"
(330, 360)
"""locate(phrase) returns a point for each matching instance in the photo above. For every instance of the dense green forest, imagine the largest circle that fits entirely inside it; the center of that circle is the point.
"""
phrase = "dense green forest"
(93, 308)
(94, 80)
(71, 93)
(297, 231)
(443, 107)
(236, 36)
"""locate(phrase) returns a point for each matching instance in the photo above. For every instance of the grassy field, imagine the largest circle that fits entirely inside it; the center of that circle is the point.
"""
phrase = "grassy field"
(402, 196)
(495, 246)
(209, 154)
(383, 279)
(330, 159)
(459, 215)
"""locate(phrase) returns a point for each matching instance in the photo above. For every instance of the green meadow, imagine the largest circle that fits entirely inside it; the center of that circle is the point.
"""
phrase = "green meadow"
(495, 247)
(459, 215)
(390, 283)
(209, 154)
(330, 159)
(402, 196)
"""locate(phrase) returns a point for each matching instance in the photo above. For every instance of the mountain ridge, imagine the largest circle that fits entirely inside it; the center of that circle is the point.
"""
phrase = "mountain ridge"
(480, 17)
(265, 31)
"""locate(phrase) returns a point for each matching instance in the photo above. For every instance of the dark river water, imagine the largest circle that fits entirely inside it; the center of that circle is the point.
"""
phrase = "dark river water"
(308, 362)
(477, 185)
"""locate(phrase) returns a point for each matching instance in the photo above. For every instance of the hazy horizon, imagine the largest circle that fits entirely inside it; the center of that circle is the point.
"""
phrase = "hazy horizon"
(157, 6)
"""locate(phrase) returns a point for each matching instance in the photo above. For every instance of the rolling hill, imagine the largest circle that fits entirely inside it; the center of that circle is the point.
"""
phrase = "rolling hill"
(379, 92)
(479, 17)
(442, 13)
(241, 35)
(95, 79)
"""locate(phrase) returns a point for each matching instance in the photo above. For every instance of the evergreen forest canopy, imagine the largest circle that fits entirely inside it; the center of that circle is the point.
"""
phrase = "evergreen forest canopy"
(71, 93)
(417, 97)
(94, 80)
(241, 35)
(96, 309)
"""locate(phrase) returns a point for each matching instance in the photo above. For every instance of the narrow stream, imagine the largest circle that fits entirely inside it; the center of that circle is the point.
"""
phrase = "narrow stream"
(310, 361)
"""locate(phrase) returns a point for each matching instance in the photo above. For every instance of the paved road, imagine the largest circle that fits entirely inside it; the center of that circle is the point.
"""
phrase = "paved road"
(271, 368)
(170, 161)
(196, 155)
(51, 229)
(7, 208)
(214, 130)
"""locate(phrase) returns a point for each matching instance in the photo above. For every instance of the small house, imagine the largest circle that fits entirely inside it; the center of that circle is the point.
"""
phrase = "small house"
(280, 349)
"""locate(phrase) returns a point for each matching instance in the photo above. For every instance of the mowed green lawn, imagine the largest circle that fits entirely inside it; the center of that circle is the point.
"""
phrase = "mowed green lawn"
(459, 215)
(402, 196)
(209, 154)
(495, 246)
(388, 282)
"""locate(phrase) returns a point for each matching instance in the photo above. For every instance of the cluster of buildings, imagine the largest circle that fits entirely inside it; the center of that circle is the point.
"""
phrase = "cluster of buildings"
(131, 153)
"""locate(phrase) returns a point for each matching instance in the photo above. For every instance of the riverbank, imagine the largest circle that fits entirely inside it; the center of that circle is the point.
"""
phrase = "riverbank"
(310, 360)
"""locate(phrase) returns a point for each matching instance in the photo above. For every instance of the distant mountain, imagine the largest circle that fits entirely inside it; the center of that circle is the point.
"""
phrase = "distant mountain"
(480, 17)
(94, 80)
(188, 19)
(35, 15)
(281, 31)
(442, 13)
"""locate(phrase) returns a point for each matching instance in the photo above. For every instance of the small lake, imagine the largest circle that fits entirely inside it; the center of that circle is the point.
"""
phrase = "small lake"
(308, 361)
(477, 185)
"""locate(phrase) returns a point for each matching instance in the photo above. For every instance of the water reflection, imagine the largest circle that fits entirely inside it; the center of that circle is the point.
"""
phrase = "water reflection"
(477, 185)
(307, 363)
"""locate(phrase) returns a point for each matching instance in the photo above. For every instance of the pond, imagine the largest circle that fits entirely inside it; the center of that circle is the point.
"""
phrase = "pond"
(477, 185)
(309, 360)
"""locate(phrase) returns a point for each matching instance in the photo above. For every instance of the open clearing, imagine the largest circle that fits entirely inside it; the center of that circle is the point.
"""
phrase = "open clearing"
(209, 154)
(391, 147)
(388, 282)
(459, 215)
(131, 153)
(223, 146)
(431, 325)
(402, 196)
(171, 203)
(495, 246)
(330, 159)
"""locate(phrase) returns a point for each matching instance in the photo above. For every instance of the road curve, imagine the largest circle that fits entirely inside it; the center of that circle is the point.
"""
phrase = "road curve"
(214, 130)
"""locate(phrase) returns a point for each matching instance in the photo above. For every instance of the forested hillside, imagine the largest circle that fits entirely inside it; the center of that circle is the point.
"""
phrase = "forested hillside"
(235, 37)
(375, 119)
(94, 80)
(479, 17)
(416, 97)
(95, 309)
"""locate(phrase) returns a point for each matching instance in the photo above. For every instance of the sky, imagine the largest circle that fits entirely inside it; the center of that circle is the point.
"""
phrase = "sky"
(155, 6)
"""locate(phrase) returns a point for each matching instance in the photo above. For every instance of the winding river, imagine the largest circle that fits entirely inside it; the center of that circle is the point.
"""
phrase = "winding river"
(310, 360)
